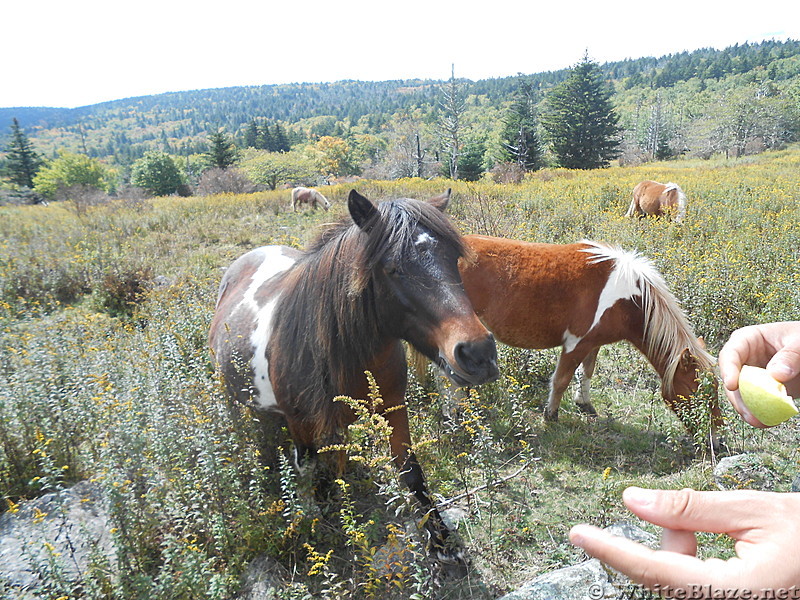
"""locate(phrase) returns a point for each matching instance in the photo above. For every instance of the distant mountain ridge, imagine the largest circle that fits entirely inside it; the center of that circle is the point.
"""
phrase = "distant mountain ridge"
(180, 121)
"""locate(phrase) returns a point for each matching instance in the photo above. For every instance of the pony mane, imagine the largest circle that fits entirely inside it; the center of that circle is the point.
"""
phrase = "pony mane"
(667, 332)
(329, 309)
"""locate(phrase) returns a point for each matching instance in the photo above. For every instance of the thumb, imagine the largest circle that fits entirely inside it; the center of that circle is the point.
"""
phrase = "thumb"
(784, 365)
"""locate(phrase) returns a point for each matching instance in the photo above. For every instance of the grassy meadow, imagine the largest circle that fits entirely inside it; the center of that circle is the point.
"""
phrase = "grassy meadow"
(105, 375)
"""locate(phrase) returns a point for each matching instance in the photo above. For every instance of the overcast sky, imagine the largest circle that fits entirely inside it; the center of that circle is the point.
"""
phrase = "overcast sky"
(79, 52)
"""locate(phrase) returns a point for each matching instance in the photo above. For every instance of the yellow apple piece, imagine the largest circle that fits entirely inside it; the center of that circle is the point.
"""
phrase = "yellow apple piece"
(765, 397)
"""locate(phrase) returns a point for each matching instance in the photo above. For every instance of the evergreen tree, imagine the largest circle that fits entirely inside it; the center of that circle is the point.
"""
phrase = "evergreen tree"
(222, 152)
(265, 138)
(520, 140)
(280, 140)
(251, 135)
(470, 161)
(22, 161)
(580, 121)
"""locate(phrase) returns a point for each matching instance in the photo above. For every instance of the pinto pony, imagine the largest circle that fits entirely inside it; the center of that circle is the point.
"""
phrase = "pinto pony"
(656, 199)
(580, 297)
(310, 196)
(294, 329)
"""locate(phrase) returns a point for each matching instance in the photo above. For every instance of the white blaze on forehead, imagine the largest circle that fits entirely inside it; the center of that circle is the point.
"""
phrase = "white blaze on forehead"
(424, 238)
(274, 262)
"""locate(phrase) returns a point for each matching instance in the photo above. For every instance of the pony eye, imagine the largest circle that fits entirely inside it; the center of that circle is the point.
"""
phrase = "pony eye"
(391, 268)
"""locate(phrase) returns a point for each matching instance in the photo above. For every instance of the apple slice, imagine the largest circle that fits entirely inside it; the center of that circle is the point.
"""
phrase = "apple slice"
(765, 397)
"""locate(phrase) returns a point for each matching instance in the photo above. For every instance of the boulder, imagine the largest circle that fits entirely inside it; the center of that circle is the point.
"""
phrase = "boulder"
(590, 580)
(744, 471)
(53, 540)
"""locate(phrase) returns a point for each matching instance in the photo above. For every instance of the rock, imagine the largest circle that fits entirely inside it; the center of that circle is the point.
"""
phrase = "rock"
(263, 580)
(589, 580)
(59, 536)
(586, 580)
(632, 532)
(744, 471)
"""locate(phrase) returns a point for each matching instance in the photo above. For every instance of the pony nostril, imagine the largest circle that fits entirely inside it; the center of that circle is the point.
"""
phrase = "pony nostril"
(478, 358)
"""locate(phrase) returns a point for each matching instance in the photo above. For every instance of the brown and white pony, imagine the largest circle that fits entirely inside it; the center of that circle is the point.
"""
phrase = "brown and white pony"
(656, 199)
(294, 329)
(310, 196)
(580, 297)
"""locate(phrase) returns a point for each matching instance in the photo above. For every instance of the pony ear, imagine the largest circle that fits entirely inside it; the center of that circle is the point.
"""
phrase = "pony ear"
(361, 209)
(441, 201)
(686, 358)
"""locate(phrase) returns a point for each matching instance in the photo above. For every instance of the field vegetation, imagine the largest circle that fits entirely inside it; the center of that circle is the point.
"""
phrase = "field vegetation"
(106, 376)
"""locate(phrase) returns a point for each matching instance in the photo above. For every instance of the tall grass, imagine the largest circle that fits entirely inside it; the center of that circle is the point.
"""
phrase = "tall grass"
(106, 376)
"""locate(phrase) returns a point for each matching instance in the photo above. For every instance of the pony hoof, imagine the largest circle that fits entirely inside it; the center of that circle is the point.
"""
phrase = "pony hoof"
(450, 556)
(550, 417)
(587, 409)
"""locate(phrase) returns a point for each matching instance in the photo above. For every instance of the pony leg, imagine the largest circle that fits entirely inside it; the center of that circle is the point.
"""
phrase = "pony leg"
(632, 208)
(584, 374)
(412, 477)
(563, 374)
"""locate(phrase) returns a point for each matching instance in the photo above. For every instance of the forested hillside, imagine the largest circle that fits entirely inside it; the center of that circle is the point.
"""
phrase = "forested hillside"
(735, 101)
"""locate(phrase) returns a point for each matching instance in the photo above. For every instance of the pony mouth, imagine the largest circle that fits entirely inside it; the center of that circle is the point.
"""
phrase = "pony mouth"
(462, 379)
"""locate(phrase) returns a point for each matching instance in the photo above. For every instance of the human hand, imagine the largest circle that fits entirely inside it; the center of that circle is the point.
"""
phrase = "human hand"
(765, 525)
(773, 346)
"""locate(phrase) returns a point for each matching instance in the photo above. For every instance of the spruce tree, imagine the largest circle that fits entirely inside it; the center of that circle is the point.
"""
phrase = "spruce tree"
(280, 140)
(222, 152)
(251, 135)
(580, 121)
(470, 161)
(520, 139)
(22, 161)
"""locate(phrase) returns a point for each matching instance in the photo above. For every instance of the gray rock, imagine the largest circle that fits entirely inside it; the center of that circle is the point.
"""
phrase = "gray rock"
(263, 579)
(589, 580)
(744, 471)
(54, 540)
(586, 580)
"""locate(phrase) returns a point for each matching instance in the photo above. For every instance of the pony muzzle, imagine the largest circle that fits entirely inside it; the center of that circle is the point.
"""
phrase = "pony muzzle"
(472, 362)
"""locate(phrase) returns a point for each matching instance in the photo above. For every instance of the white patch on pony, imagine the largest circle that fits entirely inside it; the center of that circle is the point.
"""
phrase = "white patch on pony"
(265, 396)
(668, 187)
(570, 341)
(624, 280)
(274, 262)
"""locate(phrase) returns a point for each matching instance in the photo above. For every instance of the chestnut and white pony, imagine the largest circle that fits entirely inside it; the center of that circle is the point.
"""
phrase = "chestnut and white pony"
(310, 196)
(656, 199)
(580, 297)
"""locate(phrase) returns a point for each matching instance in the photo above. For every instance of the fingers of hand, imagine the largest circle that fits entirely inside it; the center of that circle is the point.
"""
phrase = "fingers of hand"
(676, 540)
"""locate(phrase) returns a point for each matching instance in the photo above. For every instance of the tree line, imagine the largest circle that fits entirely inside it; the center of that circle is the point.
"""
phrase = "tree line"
(576, 118)
(579, 123)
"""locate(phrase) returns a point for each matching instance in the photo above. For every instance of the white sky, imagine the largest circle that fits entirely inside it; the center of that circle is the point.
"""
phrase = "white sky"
(70, 53)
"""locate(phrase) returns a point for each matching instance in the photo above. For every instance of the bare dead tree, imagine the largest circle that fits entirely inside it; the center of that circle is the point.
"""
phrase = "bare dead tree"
(451, 121)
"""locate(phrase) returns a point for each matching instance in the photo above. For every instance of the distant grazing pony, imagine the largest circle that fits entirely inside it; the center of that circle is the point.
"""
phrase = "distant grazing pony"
(656, 199)
(294, 329)
(580, 297)
(310, 196)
